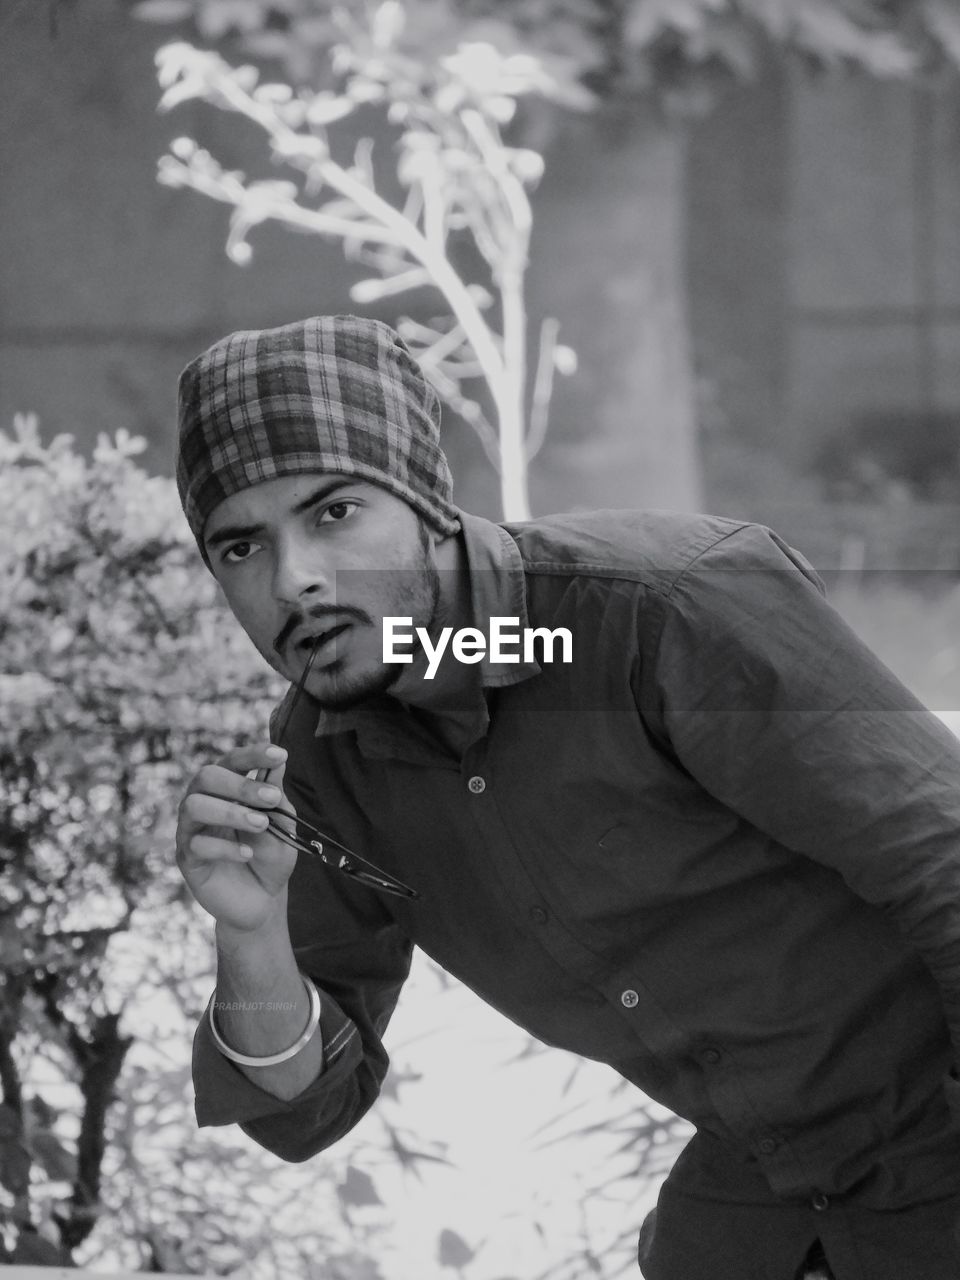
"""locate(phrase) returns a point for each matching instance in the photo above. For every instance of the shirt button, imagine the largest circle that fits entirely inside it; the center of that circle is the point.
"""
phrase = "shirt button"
(767, 1146)
(819, 1201)
(476, 784)
(538, 914)
(712, 1056)
(629, 999)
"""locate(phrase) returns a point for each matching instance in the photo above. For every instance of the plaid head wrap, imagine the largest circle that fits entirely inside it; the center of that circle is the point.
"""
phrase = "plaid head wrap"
(333, 393)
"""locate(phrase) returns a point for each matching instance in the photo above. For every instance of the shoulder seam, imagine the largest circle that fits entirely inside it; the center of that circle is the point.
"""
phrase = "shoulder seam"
(712, 547)
(579, 568)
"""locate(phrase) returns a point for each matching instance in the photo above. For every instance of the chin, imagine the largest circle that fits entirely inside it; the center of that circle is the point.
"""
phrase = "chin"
(341, 690)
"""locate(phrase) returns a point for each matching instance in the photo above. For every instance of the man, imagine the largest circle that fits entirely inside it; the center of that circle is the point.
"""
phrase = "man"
(718, 849)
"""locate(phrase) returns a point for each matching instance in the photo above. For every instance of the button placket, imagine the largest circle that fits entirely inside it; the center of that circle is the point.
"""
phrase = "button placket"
(650, 1022)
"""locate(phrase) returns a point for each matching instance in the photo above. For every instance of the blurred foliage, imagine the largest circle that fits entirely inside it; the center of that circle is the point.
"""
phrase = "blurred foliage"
(681, 51)
(121, 672)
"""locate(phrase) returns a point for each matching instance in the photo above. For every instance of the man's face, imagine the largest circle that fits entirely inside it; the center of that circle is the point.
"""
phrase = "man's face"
(323, 554)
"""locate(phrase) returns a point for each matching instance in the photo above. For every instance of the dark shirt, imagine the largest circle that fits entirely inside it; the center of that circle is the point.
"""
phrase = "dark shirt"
(718, 851)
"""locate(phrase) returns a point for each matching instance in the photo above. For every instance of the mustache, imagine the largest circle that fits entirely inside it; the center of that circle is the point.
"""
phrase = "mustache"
(319, 612)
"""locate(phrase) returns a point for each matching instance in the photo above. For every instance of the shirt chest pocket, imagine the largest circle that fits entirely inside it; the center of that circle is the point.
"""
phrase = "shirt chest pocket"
(601, 863)
(654, 865)
(617, 841)
(688, 859)
(622, 852)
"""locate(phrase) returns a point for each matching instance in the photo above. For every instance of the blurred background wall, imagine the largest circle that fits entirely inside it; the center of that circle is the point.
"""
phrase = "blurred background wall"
(817, 219)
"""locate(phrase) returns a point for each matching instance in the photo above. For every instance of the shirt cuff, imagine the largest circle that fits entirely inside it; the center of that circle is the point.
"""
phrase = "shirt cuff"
(226, 1095)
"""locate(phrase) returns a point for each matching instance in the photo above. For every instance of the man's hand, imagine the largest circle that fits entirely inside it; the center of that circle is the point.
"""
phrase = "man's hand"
(233, 866)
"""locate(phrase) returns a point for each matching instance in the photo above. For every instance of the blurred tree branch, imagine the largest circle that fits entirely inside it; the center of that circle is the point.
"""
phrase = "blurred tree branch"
(458, 177)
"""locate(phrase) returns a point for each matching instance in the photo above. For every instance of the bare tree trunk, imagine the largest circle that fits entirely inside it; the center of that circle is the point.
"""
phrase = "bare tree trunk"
(15, 1160)
(609, 262)
(99, 1058)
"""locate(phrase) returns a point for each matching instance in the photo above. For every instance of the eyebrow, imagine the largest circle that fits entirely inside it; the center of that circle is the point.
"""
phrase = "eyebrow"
(232, 532)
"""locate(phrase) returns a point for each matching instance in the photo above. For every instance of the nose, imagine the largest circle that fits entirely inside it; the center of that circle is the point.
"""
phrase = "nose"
(301, 576)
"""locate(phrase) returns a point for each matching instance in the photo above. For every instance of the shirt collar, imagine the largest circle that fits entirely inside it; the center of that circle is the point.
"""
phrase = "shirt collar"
(497, 589)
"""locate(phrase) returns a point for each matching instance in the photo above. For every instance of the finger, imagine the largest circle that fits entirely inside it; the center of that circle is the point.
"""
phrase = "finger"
(275, 778)
(266, 772)
(213, 811)
(216, 780)
(201, 848)
(258, 755)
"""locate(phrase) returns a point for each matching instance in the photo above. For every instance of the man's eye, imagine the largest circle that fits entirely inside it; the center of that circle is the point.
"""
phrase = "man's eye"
(238, 552)
(339, 510)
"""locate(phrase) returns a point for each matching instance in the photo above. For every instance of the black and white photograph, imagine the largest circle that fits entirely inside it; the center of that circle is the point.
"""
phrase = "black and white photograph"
(480, 639)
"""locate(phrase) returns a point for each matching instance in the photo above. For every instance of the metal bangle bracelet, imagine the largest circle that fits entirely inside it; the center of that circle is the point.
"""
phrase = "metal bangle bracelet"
(270, 1059)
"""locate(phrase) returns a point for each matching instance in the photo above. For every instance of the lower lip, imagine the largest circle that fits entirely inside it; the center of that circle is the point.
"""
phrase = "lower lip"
(318, 647)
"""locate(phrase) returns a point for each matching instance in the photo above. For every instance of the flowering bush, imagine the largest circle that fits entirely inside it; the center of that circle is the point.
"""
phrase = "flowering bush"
(122, 671)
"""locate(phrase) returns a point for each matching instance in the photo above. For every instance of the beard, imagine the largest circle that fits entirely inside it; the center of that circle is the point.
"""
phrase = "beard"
(411, 591)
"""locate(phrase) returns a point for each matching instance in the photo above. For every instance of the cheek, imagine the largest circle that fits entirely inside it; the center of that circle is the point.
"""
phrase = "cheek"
(383, 564)
(247, 606)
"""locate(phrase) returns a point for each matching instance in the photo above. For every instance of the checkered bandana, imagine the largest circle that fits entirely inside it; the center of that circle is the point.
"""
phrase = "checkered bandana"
(333, 393)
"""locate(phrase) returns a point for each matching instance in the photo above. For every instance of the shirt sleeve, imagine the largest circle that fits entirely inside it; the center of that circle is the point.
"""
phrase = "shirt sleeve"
(344, 939)
(776, 707)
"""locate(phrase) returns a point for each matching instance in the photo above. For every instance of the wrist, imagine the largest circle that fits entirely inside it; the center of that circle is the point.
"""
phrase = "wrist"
(272, 1059)
(272, 929)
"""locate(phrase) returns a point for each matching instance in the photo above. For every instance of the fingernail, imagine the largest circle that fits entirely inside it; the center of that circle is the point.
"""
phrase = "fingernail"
(257, 820)
(276, 753)
(270, 794)
(246, 851)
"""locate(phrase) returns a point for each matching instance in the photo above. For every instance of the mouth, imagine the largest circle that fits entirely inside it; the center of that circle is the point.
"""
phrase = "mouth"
(318, 640)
